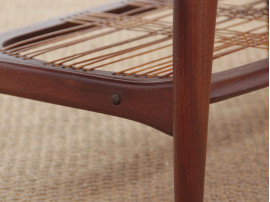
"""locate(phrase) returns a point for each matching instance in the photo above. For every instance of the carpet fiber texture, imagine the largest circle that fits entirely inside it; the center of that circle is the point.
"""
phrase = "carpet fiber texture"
(55, 153)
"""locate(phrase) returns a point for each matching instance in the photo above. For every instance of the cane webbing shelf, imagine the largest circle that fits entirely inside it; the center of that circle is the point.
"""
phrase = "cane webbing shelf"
(140, 38)
(117, 58)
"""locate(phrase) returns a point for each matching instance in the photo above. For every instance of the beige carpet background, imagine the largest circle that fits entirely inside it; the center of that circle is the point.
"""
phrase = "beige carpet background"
(54, 153)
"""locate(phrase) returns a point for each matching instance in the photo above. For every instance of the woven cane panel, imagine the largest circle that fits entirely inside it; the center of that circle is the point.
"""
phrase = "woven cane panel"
(138, 41)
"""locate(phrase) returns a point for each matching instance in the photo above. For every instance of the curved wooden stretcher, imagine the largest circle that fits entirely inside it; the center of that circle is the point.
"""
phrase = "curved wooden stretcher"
(95, 60)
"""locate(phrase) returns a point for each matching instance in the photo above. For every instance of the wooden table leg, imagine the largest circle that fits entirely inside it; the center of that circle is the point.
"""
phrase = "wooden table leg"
(194, 27)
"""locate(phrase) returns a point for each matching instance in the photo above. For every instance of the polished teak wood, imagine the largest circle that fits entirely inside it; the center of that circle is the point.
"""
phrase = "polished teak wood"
(194, 28)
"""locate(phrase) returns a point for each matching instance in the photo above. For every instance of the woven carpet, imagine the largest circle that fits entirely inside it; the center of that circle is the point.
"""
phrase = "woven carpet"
(55, 153)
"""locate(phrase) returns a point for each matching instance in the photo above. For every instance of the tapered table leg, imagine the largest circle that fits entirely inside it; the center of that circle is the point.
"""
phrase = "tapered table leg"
(194, 26)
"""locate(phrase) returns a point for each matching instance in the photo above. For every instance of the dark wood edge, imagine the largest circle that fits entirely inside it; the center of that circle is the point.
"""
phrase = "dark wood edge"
(89, 74)
(148, 103)
(240, 80)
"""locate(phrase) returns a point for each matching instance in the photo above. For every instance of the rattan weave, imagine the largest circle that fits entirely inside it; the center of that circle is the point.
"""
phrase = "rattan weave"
(144, 30)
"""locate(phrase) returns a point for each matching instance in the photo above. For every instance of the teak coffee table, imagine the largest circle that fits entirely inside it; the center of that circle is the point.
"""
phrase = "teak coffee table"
(171, 91)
